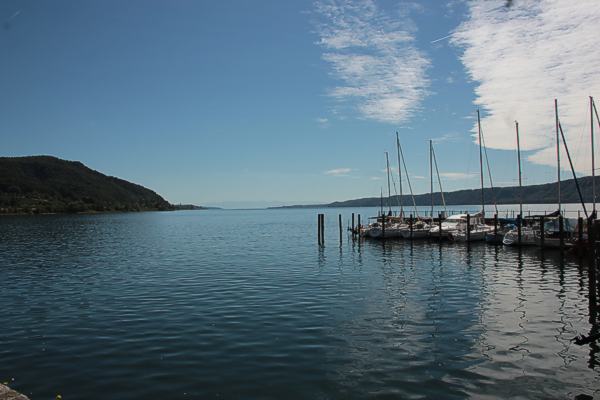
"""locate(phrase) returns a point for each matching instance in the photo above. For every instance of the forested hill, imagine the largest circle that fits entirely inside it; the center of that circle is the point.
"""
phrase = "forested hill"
(533, 194)
(45, 184)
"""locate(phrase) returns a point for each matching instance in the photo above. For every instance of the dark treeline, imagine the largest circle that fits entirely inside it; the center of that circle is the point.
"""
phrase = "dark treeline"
(45, 184)
(532, 194)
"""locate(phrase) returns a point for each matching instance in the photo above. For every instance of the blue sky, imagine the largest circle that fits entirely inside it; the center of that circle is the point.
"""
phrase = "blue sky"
(241, 103)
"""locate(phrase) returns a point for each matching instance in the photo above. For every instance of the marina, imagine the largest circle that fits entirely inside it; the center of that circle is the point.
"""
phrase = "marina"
(547, 230)
(324, 199)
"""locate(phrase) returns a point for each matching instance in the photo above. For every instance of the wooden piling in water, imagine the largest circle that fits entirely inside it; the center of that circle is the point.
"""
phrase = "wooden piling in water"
(410, 224)
(590, 224)
(495, 225)
(519, 227)
(358, 230)
(353, 231)
(440, 227)
(579, 231)
(382, 226)
(319, 229)
(323, 229)
(468, 228)
(542, 238)
(340, 226)
(594, 254)
(561, 231)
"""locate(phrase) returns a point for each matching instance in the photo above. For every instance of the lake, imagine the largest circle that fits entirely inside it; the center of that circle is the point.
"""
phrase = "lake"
(244, 304)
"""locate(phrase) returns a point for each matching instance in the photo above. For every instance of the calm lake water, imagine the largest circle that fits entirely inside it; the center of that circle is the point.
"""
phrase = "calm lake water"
(243, 304)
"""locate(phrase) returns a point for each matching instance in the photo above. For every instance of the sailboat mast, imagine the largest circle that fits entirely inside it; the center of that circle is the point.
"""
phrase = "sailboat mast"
(557, 153)
(437, 171)
(562, 134)
(399, 175)
(481, 164)
(408, 180)
(387, 163)
(519, 162)
(431, 174)
(593, 163)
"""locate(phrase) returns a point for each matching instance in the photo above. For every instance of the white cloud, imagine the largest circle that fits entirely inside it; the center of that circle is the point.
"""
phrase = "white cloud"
(375, 57)
(524, 56)
(376, 178)
(323, 122)
(338, 171)
(446, 137)
(456, 176)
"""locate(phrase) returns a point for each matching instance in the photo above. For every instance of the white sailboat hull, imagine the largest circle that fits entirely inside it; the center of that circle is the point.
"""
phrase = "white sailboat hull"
(475, 235)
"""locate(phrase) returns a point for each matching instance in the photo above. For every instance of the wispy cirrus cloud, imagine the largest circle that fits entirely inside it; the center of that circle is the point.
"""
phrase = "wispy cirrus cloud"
(373, 54)
(525, 53)
(446, 137)
(322, 122)
(338, 171)
(457, 176)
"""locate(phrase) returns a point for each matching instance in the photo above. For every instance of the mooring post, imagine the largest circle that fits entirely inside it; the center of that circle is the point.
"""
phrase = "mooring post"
(440, 227)
(561, 231)
(580, 231)
(323, 229)
(495, 225)
(593, 257)
(410, 224)
(382, 226)
(358, 227)
(468, 228)
(590, 234)
(353, 231)
(340, 226)
(519, 227)
(319, 229)
(542, 233)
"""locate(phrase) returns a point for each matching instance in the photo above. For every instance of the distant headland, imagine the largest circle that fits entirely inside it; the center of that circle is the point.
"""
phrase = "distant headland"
(533, 194)
(46, 184)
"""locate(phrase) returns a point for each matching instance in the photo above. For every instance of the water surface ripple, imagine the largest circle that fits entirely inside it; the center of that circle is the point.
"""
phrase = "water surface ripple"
(243, 304)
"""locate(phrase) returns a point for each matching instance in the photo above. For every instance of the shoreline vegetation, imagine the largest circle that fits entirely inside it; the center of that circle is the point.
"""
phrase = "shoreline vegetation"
(49, 185)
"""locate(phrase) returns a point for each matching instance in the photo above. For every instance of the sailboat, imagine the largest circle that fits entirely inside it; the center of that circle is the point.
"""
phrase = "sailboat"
(477, 227)
(554, 234)
(385, 226)
(418, 229)
(529, 234)
(452, 224)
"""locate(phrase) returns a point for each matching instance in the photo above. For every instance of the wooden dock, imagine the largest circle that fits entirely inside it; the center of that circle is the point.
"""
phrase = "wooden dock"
(581, 239)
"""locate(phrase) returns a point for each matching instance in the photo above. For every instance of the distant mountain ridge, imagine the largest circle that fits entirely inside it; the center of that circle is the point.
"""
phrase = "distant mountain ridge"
(47, 184)
(533, 194)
